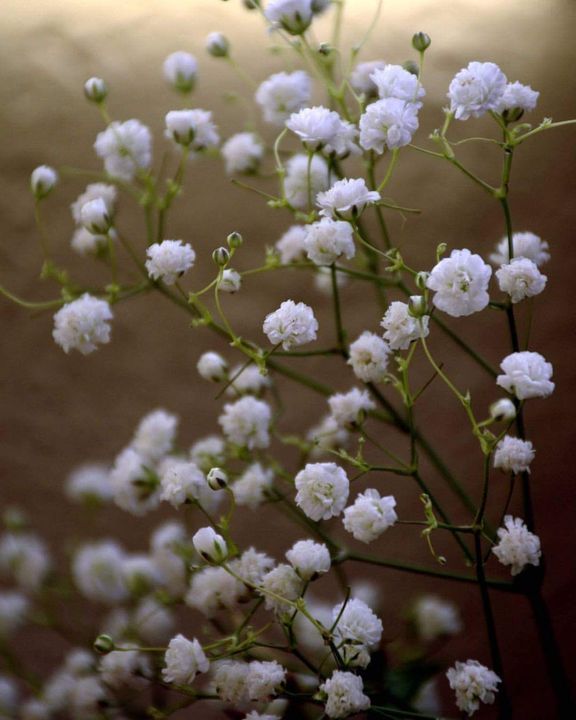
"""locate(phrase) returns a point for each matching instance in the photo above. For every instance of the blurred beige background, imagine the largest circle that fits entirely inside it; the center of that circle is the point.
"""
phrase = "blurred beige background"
(58, 411)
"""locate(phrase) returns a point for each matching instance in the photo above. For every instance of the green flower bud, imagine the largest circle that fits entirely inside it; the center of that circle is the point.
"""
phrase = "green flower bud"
(221, 256)
(234, 240)
(95, 90)
(104, 644)
(421, 41)
(412, 67)
(217, 479)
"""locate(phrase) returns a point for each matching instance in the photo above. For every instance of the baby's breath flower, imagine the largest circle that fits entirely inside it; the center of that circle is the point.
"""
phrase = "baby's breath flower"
(291, 245)
(524, 244)
(346, 197)
(358, 631)
(513, 455)
(435, 617)
(299, 184)
(521, 279)
(169, 260)
(98, 571)
(401, 328)
(230, 281)
(282, 94)
(280, 584)
(389, 123)
(322, 490)
(328, 240)
(293, 16)
(309, 559)
(247, 422)
(95, 90)
(184, 659)
(318, 127)
(361, 78)
(393, 81)
(369, 357)
(344, 694)
(89, 483)
(213, 589)
(217, 45)
(182, 482)
(370, 515)
(242, 153)
(293, 324)
(348, 409)
(211, 546)
(518, 96)
(476, 89)
(180, 70)
(518, 547)
(212, 366)
(264, 679)
(460, 283)
(42, 181)
(473, 683)
(526, 375)
(82, 324)
(126, 148)
(193, 129)
(250, 488)
(155, 434)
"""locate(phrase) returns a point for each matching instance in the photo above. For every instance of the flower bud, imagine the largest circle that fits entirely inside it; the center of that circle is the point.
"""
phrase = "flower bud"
(411, 67)
(217, 45)
(421, 279)
(417, 306)
(502, 410)
(94, 216)
(180, 70)
(180, 126)
(440, 250)
(212, 366)
(234, 240)
(325, 48)
(221, 256)
(421, 41)
(95, 90)
(104, 644)
(230, 281)
(42, 181)
(211, 546)
(217, 479)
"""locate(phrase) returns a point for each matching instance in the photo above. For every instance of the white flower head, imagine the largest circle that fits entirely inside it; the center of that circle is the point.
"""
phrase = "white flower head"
(213, 589)
(361, 78)
(124, 668)
(264, 679)
(98, 571)
(526, 375)
(358, 631)
(346, 197)
(208, 452)
(86, 243)
(323, 490)
(193, 129)
(103, 191)
(230, 282)
(369, 357)
(293, 16)
(344, 694)
(242, 153)
(126, 148)
(155, 434)
(82, 324)
(435, 617)
(291, 245)
(217, 44)
(248, 380)
(518, 547)
(251, 487)
(309, 559)
(252, 565)
(25, 558)
(229, 681)
(184, 659)
(153, 620)
(319, 128)
(182, 482)
(476, 89)
(95, 216)
(42, 181)
(210, 545)
(212, 366)
(370, 515)
(180, 70)
(246, 422)
(303, 179)
(393, 81)
(135, 487)
(293, 324)
(514, 455)
(518, 96)
(327, 435)
(89, 483)
(348, 409)
(524, 244)
(328, 240)
(460, 283)
(401, 328)
(389, 123)
(472, 683)
(521, 279)
(280, 584)
(282, 94)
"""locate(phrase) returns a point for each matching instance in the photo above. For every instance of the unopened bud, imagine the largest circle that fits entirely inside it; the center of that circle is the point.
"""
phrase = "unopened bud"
(42, 181)
(440, 250)
(417, 306)
(217, 45)
(502, 410)
(104, 644)
(411, 67)
(234, 240)
(221, 256)
(421, 41)
(95, 90)
(94, 216)
(217, 479)
(421, 279)
(211, 546)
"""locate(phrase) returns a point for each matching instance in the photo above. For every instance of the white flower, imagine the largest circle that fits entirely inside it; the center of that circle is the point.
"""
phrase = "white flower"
(521, 279)
(153, 621)
(526, 375)
(328, 240)
(94, 191)
(361, 78)
(524, 244)
(24, 557)
(388, 123)
(141, 573)
(252, 565)
(211, 546)
(248, 380)
(181, 482)
(168, 260)
(135, 487)
(369, 357)
(346, 196)
(291, 245)
(358, 631)
(247, 422)
(281, 582)
(154, 436)
(318, 127)
(503, 409)
(345, 696)
(294, 16)
(370, 515)
(86, 243)
(208, 452)
(124, 668)
(472, 683)
(322, 490)
(393, 81)
(264, 679)
(327, 435)
(242, 153)
(13, 609)
(193, 129)
(212, 589)
(401, 327)
(82, 324)
(95, 217)
(282, 94)
(460, 283)
(519, 96)
(296, 184)
(42, 181)
(180, 70)
(89, 483)
(514, 455)
(217, 44)
(95, 89)
(98, 571)
(212, 366)
(184, 659)
(435, 617)
(348, 409)
(230, 678)
(250, 488)
(230, 281)
(476, 89)
(126, 148)
(293, 324)
(518, 547)
(309, 559)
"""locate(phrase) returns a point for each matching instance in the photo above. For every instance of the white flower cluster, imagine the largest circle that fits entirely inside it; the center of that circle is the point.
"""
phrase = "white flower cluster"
(473, 683)
(83, 324)
(518, 547)
(293, 324)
